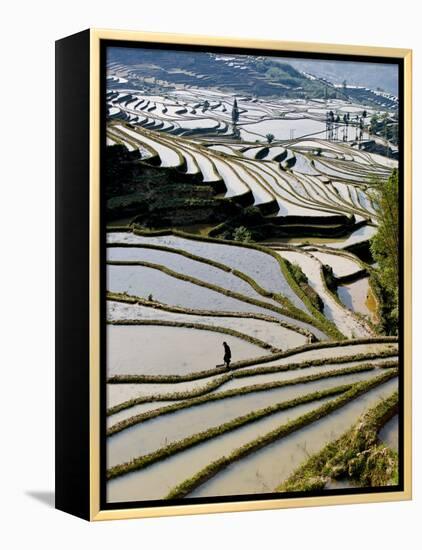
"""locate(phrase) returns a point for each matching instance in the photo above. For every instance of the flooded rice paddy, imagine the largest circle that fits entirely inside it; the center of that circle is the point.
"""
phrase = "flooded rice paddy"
(169, 350)
(356, 296)
(272, 333)
(279, 159)
(262, 267)
(263, 471)
(389, 433)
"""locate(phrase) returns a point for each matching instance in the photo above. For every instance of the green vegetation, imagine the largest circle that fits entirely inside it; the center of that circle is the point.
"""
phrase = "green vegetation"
(328, 327)
(297, 272)
(129, 299)
(357, 456)
(323, 362)
(128, 422)
(385, 250)
(315, 346)
(292, 312)
(164, 379)
(159, 197)
(319, 319)
(178, 446)
(329, 278)
(282, 431)
(302, 280)
(385, 127)
(287, 308)
(201, 259)
(218, 382)
(235, 112)
(242, 234)
(179, 180)
(289, 82)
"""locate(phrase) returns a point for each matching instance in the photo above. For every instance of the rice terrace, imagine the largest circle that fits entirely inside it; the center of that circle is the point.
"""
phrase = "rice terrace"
(251, 201)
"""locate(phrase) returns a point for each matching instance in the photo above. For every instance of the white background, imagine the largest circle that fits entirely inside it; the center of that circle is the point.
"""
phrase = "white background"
(27, 37)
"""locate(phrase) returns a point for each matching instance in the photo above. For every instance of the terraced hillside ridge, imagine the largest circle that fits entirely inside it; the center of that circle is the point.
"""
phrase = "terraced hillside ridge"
(250, 220)
(348, 461)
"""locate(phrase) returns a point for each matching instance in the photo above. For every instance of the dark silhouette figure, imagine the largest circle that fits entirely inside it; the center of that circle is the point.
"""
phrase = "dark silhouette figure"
(227, 354)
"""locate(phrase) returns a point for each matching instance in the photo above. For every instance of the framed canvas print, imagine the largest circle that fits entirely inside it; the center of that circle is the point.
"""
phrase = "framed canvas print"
(233, 274)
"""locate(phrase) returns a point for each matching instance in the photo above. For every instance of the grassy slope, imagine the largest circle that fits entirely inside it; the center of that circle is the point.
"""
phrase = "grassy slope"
(357, 456)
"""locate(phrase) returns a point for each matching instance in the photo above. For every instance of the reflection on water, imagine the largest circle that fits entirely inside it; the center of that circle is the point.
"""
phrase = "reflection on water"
(149, 436)
(270, 332)
(364, 233)
(156, 481)
(355, 296)
(170, 350)
(179, 264)
(260, 266)
(389, 433)
(341, 264)
(332, 352)
(338, 484)
(282, 129)
(266, 469)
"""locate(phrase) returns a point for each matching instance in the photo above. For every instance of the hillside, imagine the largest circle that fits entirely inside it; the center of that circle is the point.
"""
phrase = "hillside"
(233, 73)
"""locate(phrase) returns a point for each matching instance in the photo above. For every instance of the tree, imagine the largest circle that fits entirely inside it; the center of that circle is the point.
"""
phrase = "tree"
(385, 246)
(395, 133)
(242, 234)
(270, 137)
(235, 112)
(274, 73)
(373, 124)
(361, 128)
(385, 125)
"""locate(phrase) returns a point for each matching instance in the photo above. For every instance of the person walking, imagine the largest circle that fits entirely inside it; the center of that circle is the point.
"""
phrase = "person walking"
(227, 355)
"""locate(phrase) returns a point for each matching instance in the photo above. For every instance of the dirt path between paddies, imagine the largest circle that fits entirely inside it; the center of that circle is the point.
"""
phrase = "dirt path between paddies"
(345, 320)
